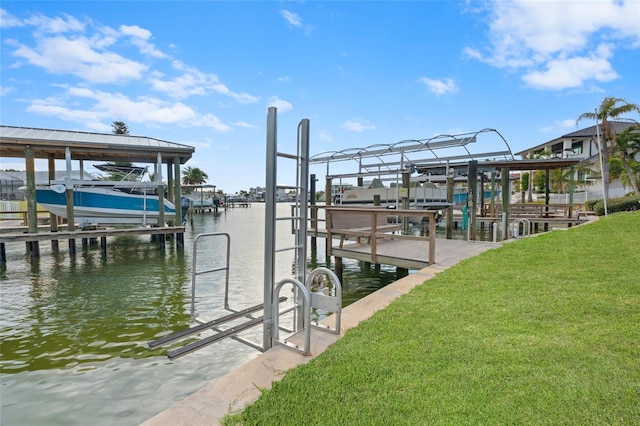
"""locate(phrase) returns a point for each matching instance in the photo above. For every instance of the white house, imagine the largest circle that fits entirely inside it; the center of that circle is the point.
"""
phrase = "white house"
(581, 144)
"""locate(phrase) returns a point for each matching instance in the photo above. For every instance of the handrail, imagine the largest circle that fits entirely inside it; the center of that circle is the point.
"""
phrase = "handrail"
(195, 273)
(371, 231)
(306, 314)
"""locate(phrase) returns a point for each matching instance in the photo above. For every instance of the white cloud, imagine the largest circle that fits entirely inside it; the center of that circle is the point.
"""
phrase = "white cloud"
(59, 55)
(140, 38)
(573, 72)
(5, 90)
(7, 20)
(195, 82)
(294, 20)
(559, 126)
(439, 87)
(543, 37)
(245, 125)
(282, 105)
(93, 108)
(135, 31)
(56, 25)
(356, 126)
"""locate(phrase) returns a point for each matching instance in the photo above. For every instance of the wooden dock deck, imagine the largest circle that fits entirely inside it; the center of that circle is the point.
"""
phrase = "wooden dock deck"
(34, 238)
(414, 254)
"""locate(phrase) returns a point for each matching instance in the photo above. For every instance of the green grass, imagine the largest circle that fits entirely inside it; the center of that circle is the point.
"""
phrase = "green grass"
(545, 330)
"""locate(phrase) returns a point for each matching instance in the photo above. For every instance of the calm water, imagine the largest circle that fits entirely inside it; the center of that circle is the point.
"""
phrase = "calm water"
(75, 331)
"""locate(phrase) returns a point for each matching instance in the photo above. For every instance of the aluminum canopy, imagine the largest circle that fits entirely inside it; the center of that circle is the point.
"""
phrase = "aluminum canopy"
(89, 146)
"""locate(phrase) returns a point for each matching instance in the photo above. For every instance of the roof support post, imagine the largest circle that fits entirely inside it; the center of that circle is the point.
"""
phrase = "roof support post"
(32, 209)
(53, 219)
(176, 186)
(571, 188)
(506, 195)
(473, 195)
(71, 220)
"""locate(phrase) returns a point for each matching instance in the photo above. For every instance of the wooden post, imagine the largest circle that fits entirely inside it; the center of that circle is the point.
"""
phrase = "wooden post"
(449, 209)
(432, 238)
(177, 195)
(327, 202)
(338, 262)
(547, 181)
(161, 219)
(405, 199)
(372, 237)
(32, 208)
(506, 195)
(571, 183)
(473, 194)
(314, 212)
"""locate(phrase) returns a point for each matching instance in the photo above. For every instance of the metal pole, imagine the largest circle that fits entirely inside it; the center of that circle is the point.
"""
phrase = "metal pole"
(269, 226)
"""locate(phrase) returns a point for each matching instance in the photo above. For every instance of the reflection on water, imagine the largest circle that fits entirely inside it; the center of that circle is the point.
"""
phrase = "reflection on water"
(75, 330)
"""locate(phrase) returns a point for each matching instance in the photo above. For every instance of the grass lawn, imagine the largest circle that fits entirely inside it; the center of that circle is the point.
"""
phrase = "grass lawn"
(545, 330)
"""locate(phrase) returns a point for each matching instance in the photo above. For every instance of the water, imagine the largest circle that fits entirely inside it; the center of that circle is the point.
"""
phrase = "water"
(75, 330)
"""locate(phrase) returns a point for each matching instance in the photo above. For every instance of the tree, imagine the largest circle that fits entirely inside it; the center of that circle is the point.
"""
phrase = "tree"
(610, 108)
(559, 180)
(119, 128)
(193, 176)
(626, 148)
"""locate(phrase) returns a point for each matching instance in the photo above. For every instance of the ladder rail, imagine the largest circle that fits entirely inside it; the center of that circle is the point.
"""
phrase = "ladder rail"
(195, 273)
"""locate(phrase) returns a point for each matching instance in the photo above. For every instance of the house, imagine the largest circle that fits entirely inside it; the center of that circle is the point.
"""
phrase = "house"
(581, 144)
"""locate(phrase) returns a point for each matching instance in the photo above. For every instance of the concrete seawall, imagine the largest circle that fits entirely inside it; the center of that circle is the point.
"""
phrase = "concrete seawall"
(241, 387)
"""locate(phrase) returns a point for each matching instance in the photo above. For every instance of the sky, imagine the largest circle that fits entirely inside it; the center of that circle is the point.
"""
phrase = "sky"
(204, 73)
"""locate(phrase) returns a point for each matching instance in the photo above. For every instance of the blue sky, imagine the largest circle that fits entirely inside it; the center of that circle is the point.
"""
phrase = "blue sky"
(203, 73)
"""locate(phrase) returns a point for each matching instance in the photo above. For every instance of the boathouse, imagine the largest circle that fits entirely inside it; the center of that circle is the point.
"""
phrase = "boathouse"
(54, 144)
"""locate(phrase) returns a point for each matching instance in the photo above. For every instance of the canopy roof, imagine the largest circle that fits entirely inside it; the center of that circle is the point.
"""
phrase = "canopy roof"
(89, 146)
(490, 166)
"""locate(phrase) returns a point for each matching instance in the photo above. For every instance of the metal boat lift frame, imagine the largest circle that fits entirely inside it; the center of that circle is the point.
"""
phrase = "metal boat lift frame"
(409, 154)
(305, 299)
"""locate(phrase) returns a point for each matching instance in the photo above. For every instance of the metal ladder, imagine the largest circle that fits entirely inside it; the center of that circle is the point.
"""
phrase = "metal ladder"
(311, 292)
(214, 325)
(305, 299)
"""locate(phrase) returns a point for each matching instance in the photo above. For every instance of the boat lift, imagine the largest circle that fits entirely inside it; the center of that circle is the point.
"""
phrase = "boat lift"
(319, 291)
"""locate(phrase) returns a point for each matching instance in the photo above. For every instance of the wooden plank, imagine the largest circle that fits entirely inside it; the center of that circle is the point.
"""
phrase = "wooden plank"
(97, 233)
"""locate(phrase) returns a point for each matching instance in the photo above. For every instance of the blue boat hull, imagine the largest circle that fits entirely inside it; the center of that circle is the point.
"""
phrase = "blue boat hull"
(105, 205)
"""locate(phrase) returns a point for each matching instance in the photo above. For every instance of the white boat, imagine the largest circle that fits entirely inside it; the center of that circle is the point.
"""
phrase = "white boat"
(421, 195)
(99, 204)
(106, 202)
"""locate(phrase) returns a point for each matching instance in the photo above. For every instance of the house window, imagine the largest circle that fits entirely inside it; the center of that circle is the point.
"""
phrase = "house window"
(576, 147)
(556, 150)
(582, 176)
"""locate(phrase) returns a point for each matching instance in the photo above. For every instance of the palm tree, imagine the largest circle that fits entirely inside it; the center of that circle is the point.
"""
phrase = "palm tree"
(193, 176)
(119, 128)
(610, 108)
(626, 148)
(559, 180)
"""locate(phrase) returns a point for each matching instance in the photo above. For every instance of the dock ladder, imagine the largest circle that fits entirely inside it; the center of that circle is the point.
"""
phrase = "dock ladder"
(306, 296)
(216, 324)
(316, 293)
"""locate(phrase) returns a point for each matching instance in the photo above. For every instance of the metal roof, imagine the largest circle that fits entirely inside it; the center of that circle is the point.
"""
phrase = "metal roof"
(89, 146)
(490, 166)
(392, 158)
(587, 132)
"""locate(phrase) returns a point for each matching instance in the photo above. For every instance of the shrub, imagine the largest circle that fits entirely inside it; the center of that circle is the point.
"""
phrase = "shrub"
(623, 204)
(589, 204)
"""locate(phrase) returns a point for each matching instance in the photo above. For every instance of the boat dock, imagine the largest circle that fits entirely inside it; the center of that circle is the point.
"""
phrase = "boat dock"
(373, 234)
(32, 239)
